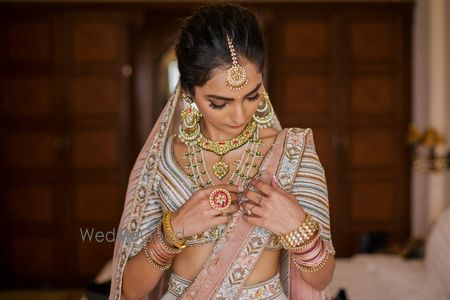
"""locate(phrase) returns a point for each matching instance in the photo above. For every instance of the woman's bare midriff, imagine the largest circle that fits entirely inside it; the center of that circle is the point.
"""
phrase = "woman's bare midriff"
(188, 263)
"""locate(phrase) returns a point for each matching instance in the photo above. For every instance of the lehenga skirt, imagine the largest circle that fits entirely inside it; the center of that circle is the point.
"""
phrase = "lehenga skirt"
(269, 289)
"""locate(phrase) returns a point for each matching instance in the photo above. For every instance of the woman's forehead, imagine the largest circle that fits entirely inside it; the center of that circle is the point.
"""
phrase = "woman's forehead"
(216, 83)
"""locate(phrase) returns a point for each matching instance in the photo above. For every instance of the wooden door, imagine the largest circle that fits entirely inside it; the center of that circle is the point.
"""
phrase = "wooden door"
(343, 70)
(65, 108)
(31, 150)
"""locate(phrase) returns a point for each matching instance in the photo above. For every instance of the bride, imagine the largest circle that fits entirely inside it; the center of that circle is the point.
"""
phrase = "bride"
(222, 197)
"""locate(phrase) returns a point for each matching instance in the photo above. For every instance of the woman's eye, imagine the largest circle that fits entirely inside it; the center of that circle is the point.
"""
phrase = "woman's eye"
(215, 106)
(253, 98)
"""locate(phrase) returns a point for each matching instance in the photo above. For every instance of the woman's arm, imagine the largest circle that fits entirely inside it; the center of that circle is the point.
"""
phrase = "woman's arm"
(310, 189)
(320, 279)
(139, 277)
(194, 216)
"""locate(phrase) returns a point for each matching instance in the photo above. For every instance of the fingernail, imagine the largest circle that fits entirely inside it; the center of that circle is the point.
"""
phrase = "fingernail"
(240, 189)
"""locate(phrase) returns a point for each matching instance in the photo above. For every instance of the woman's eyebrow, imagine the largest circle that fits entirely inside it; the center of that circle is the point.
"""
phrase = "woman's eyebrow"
(231, 99)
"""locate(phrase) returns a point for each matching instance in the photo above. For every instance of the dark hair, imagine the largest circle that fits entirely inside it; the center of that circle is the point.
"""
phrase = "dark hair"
(202, 44)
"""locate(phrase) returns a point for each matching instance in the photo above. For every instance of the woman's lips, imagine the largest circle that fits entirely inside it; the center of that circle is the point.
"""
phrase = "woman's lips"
(238, 126)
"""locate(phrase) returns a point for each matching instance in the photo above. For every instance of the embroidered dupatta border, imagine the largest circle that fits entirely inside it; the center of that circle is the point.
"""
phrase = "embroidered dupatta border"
(288, 169)
(291, 279)
(293, 148)
(141, 190)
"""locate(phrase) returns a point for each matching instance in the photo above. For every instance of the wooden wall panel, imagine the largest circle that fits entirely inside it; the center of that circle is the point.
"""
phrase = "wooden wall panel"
(28, 41)
(307, 94)
(372, 148)
(96, 41)
(372, 95)
(96, 148)
(99, 115)
(324, 148)
(26, 95)
(65, 141)
(33, 257)
(98, 202)
(30, 204)
(372, 39)
(32, 149)
(95, 94)
(92, 255)
(343, 70)
(372, 202)
(306, 39)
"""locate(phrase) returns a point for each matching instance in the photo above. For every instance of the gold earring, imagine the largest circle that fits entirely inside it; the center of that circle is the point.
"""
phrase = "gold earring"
(189, 129)
(264, 114)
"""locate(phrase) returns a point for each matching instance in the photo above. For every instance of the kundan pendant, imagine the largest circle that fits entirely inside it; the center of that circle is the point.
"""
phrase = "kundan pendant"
(220, 169)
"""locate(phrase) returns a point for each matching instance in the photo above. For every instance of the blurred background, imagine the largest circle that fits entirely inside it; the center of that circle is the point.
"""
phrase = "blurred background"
(82, 82)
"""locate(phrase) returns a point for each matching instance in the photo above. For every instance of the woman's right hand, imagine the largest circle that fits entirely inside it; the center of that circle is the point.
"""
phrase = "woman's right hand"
(196, 214)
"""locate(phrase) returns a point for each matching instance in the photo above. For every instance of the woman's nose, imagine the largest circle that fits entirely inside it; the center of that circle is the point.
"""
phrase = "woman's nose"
(238, 116)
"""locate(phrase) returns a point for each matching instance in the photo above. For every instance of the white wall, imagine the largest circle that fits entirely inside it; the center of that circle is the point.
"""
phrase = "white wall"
(431, 105)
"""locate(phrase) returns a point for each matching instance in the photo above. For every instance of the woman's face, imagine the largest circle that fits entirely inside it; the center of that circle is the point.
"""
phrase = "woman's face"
(225, 110)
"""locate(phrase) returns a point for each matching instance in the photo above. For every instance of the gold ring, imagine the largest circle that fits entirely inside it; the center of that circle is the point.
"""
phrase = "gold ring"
(220, 199)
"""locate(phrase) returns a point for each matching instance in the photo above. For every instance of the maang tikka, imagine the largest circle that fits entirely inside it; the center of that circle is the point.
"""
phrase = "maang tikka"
(236, 75)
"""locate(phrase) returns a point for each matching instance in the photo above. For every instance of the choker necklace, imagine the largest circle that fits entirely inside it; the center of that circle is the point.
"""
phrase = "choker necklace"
(223, 147)
(246, 165)
(220, 148)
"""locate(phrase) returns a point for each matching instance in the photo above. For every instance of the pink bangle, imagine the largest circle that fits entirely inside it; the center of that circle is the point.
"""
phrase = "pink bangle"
(313, 258)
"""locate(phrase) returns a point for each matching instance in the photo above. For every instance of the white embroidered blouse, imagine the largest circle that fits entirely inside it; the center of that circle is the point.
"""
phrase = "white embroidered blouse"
(175, 187)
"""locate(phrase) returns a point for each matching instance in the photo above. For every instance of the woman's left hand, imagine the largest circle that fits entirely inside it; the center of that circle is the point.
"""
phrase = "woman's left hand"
(272, 207)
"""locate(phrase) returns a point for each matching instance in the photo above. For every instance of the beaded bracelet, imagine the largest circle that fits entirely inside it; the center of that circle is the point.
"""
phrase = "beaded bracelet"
(314, 268)
(168, 232)
(301, 235)
(152, 260)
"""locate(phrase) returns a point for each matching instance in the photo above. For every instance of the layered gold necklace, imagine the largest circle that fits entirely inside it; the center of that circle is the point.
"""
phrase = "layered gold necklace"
(220, 148)
(246, 166)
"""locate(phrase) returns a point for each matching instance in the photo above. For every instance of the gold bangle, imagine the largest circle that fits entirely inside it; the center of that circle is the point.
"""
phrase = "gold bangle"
(312, 269)
(169, 248)
(152, 262)
(307, 244)
(168, 232)
(302, 235)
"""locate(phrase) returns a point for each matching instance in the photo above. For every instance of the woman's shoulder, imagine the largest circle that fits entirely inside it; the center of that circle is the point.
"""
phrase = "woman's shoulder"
(268, 132)
(289, 136)
(305, 133)
(299, 129)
